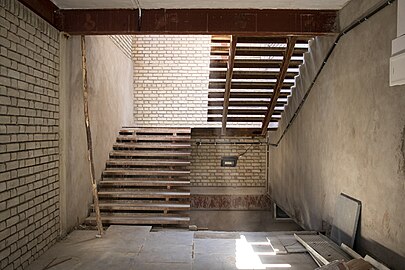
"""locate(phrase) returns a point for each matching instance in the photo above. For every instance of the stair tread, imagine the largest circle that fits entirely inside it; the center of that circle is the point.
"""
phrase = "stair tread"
(137, 172)
(154, 137)
(151, 145)
(160, 192)
(140, 219)
(136, 179)
(148, 162)
(149, 153)
(144, 183)
(156, 130)
(145, 204)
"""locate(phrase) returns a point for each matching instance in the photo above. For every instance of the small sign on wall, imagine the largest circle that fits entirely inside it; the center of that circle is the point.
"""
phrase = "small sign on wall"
(229, 161)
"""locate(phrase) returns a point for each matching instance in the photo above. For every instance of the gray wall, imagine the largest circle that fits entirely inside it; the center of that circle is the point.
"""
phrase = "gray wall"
(110, 96)
(349, 137)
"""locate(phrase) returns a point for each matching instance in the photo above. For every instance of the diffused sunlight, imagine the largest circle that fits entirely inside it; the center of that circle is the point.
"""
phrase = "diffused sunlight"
(247, 258)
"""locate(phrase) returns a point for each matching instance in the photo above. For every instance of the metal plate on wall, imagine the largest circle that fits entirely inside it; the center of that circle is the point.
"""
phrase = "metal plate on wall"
(345, 220)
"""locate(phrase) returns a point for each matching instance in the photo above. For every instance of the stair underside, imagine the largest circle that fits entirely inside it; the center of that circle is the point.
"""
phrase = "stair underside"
(256, 75)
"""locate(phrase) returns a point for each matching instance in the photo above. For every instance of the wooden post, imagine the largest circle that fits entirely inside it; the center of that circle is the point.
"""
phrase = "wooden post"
(89, 141)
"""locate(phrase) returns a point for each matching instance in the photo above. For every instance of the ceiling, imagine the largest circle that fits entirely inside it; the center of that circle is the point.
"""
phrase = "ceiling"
(178, 4)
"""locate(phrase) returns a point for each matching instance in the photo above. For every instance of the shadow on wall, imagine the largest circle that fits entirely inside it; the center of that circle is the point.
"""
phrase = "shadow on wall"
(370, 247)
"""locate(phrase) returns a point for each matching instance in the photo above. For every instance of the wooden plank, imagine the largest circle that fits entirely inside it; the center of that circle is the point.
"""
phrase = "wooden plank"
(234, 94)
(241, 119)
(140, 194)
(231, 132)
(139, 220)
(134, 172)
(144, 183)
(139, 138)
(228, 83)
(268, 75)
(148, 162)
(88, 136)
(156, 130)
(268, 51)
(248, 103)
(247, 63)
(249, 85)
(242, 112)
(250, 63)
(279, 84)
(143, 206)
(300, 40)
(139, 153)
(130, 145)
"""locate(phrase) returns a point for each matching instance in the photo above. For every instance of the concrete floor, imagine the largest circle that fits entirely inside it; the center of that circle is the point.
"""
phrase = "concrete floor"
(136, 247)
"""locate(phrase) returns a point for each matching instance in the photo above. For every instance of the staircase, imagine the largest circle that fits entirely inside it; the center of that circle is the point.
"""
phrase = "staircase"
(257, 65)
(146, 180)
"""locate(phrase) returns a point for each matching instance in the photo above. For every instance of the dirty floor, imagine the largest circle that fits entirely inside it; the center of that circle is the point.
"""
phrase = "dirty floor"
(137, 247)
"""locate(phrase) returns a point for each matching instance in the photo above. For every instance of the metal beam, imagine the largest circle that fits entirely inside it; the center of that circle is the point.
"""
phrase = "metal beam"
(228, 83)
(276, 93)
(253, 22)
(43, 8)
(98, 21)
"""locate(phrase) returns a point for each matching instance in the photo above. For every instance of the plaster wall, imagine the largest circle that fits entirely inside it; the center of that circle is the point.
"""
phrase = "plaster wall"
(110, 107)
(349, 137)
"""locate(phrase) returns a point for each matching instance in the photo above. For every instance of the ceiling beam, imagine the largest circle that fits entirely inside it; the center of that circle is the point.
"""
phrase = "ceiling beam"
(253, 22)
(228, 83)
(43, 8)
(276, 92)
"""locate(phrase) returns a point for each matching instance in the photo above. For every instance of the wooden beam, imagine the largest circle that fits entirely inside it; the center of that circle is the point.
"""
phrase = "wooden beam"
(43, 8)
(228, 83)
(279, 83)
(230, 132)
(247, 22)
(89, 139)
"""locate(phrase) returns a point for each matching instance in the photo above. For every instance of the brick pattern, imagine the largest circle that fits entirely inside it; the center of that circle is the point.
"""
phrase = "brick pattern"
(206, 170)
(29, 105)
(124, 43)
(171, 80)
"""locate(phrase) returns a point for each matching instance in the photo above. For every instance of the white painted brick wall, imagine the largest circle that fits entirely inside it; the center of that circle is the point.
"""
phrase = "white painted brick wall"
(206, 170)
(171, 75)
(29, 119)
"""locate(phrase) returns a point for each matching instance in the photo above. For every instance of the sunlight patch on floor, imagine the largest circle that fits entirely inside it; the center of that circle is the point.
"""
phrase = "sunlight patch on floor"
(247, 258)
